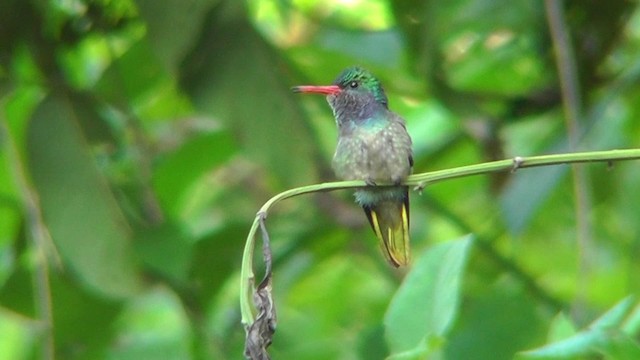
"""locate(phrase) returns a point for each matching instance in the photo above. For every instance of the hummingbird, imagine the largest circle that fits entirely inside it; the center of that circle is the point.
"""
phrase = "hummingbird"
(374, 146)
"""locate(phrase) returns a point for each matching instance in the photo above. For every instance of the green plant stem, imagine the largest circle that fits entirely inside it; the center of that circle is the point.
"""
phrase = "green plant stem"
(419, 181)
(566, 64)
(572, 105)
(40, 241)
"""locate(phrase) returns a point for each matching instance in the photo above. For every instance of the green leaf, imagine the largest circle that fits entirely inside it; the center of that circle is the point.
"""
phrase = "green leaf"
(73, 333)
(328, 306)
(427, 348)
(561, 328)
(581, 344)
(603, 336)
(632, 324)
(153, 326)
(178, 170)
(427, 302)
(613, 344)
(166, 249)
(9, 229)
(17, 336)
(78, 207)
(495, 322)
(615, 316)
(621, 347)
(10, 209)
(173, 26)
(238, 77)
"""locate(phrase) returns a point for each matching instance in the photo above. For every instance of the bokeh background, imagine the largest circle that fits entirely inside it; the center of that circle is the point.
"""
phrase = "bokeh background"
(139, 138)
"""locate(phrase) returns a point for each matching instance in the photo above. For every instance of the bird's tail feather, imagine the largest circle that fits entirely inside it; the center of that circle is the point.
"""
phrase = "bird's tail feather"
(389, 219)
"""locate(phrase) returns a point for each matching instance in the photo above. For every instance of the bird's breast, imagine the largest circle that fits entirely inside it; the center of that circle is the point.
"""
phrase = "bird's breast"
(378, 155)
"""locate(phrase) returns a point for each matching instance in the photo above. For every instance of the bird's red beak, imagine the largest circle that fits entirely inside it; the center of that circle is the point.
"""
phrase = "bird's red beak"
(326, 90)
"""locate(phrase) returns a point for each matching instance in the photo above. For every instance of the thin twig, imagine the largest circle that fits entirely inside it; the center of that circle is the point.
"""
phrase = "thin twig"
(572, 106)
(566, 64)
(261, 297)
(39, 238)
(266, 246)
(260, 332)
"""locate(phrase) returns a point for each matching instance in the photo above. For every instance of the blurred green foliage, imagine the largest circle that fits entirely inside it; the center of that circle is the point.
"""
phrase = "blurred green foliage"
(139, 138)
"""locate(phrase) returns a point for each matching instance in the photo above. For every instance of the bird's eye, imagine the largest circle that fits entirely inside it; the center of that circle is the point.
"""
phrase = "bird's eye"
(353, 84)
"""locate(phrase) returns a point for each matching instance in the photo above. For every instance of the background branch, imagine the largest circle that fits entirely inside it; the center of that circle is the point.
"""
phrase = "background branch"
(572, 105)
(40, 242)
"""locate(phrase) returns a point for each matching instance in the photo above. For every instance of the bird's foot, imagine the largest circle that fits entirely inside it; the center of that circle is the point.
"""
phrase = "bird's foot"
(396, 180)
(370, 182)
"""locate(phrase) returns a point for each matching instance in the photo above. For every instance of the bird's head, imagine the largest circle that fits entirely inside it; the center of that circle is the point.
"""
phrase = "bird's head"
(354, 94)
